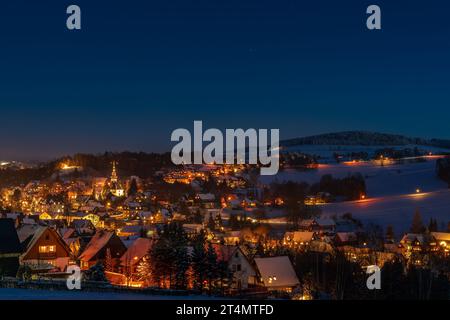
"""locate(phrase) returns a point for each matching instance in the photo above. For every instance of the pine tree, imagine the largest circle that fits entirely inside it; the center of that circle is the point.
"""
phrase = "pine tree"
(96, 273)
(133, 188)
(212, 266)
(198, 217)
(144, 270)
(169, 256)
(390, 236)
(433, 225)
(211, 222)
(109, 262)
(198, 260)
(417, 224)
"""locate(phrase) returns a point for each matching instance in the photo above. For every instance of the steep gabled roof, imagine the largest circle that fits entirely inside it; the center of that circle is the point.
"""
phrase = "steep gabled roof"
(9, 241)
(224, 252)
(300, 236)
(97, 243)
(26, 231)
(441, 236)
(277, 272)
(38, 234)
(139, 249)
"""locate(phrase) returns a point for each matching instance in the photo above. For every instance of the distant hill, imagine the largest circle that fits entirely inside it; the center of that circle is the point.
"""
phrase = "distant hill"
(364, 138)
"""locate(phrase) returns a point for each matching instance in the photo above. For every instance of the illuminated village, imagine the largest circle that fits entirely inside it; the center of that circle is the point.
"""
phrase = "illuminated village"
(209, 230)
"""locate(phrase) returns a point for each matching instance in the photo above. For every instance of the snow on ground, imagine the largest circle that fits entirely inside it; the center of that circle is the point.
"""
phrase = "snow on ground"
(384, 180)
(391, 190)
(25, 294)
(397, 210)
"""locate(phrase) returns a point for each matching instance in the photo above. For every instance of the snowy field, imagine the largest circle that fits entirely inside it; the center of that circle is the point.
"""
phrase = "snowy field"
(394, 192)
(384, 180)
(24, 294)
(397, 210)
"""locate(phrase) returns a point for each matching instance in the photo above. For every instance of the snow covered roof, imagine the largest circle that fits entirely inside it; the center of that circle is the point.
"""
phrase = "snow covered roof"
(224, 252)
(26, 231)
(277, 272)
(98, 241)
(320, 222)
(299, 236)
(29, 221)
(12, 215)
(206, 197)
(38, 234)
(412, 237)
(441, 236)
(136, 252)
(82, 224)
(191, 227)
(346, 236)
(68, 233)
(145, 214)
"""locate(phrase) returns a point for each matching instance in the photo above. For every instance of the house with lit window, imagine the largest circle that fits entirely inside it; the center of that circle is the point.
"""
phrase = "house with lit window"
(242, 270)
(45, 250)
(276, 274)
(442, 240)
(298, 238)
(101, 243)
(136, 254)
(320, 226)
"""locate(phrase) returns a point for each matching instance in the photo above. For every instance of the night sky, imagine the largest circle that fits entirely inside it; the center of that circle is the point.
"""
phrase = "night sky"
(140, 69)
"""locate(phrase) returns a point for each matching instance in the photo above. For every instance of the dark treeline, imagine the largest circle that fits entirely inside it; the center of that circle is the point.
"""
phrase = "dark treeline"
(335, 277)
(350, 187)
(129, 163)
(139, 164)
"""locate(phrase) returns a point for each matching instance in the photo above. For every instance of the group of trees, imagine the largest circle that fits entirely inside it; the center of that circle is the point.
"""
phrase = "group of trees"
(443, 169)
(173, 266)
(351, 187)
(335, 277)
(298, 160)
(207, 270)
(170, 258)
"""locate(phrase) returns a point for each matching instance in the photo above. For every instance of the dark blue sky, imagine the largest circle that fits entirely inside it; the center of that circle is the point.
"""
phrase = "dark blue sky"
(139, 69)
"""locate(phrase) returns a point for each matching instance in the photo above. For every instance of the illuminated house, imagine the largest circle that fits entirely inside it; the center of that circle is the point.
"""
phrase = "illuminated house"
(45, 251)
(298, 238)
(135, 255)
(98, 246)
(243, 272)
(277, 274)
(442, 240)
(318, 225)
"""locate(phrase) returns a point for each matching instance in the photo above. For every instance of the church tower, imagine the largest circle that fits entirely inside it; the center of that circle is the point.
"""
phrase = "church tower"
(116, 188)
(114, 178)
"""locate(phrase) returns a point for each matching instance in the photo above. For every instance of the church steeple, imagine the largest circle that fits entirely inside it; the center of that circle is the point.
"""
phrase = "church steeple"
(115, 187)
(114, 178)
